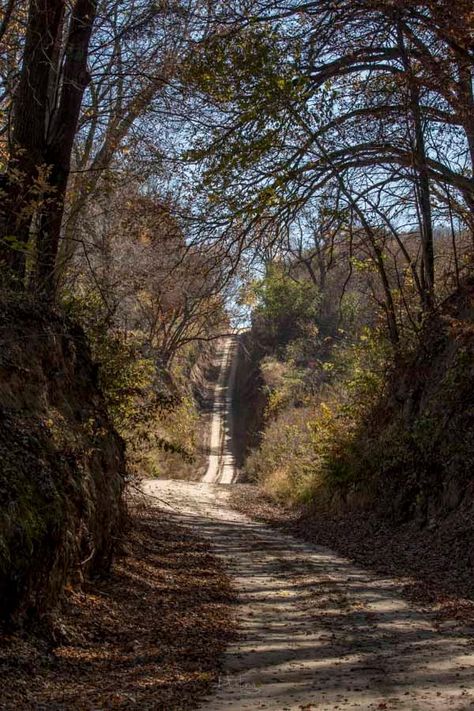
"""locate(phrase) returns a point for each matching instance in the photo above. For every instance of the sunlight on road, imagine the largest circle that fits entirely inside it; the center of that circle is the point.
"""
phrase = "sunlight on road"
(221, 468)
(316, 632)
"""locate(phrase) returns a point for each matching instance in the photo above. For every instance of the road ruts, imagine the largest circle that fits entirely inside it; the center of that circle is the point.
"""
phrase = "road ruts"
(221, 468)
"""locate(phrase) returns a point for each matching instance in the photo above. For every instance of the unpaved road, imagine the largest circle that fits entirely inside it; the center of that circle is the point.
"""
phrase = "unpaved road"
(221, 466)
(315, 632)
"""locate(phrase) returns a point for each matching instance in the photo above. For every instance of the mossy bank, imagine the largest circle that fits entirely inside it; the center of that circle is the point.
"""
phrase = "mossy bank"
(62, 466)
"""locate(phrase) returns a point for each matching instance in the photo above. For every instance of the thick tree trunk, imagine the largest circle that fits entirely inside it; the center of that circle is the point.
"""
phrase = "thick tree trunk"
(422, 175)
(46, 111)
(60, 140)
(466, 96)
(49, 230)
(427, 241)
(26, 169)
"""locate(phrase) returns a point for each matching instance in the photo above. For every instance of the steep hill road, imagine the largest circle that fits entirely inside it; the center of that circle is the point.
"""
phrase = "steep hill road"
(221, 468)
(316, 632)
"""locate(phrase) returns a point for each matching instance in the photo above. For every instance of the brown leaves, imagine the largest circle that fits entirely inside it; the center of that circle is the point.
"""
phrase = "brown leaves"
(149, 637)
(434, 562)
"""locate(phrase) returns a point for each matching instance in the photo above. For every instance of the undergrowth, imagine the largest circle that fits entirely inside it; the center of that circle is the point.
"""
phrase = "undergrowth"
(152, 406)
(351, 419)
(309, 445)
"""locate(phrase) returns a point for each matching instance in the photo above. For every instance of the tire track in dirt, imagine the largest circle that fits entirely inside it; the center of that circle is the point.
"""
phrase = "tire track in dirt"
(221, 467)
(316, 632)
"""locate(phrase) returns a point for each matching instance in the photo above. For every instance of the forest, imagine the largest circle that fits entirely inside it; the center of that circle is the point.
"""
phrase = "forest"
(236, 315)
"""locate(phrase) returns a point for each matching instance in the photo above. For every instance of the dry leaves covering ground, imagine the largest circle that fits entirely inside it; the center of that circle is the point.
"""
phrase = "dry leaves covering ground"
(149, 637)
(316, 631)
(436, 562)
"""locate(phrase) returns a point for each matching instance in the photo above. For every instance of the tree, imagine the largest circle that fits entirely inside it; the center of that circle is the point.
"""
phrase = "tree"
(135, 57)
(118, 74)
(374, 95)
(143, 280)
(46, 107)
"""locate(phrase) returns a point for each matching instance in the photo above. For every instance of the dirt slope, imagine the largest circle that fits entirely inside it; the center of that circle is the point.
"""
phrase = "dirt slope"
(147, 638)
(62, 465)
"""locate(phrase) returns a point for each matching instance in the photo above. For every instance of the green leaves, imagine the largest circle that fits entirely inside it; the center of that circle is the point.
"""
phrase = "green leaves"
(286, 305)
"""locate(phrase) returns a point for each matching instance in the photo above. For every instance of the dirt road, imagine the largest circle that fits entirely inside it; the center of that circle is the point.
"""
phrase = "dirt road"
(316, 632)
(221, 466)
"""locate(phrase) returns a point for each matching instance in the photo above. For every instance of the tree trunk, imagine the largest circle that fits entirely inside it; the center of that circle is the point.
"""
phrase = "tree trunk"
(26, 166)
(49, 230)
(60, 140)
(427, 241)
(421, 166)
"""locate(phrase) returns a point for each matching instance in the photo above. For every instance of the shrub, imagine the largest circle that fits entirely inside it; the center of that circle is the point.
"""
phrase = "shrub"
(152, 408)
(311, 444)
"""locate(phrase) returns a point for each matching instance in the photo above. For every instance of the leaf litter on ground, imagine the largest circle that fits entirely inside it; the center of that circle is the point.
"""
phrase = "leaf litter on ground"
(150, 636)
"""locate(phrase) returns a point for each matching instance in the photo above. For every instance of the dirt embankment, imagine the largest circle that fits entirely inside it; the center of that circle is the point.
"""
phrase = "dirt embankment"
(249, 401)
(422, 435)
(415, 454)
(62, 465)
(149, 637)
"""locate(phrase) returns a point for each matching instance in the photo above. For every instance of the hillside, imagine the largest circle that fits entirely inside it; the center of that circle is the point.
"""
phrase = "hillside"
(418, 444)
(236, 296)
(394, 490)
(62, 468)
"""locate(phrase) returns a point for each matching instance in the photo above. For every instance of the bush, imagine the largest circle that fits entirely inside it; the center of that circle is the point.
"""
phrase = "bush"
(310, 443)
(152, 408)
